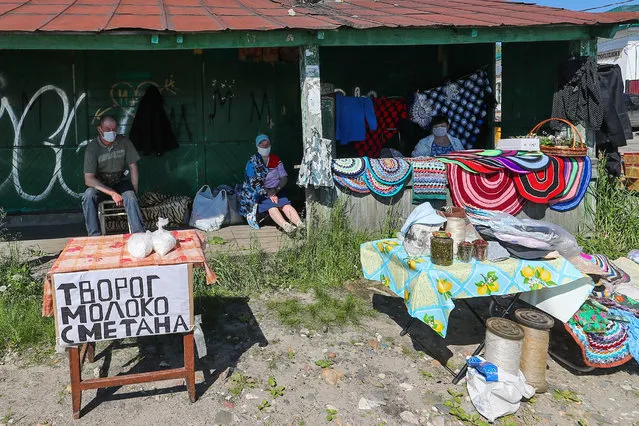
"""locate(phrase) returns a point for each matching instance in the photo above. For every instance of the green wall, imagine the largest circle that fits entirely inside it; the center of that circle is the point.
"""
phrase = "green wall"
(529, 79)
(216, 102)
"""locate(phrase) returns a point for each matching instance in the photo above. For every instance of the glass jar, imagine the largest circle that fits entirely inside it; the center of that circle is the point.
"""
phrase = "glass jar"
(465, 252)
(481, 247)
(441, 249)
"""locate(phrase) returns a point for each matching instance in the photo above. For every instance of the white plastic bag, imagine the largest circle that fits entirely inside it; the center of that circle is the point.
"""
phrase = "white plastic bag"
(497, 399)
(208, 211)
(140, 245)
(163, 240)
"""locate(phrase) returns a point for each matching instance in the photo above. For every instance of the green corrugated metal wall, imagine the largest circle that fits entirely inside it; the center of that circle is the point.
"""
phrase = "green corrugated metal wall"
(216, 102)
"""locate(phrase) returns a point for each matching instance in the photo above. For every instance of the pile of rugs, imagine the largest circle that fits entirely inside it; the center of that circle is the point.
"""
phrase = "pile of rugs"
(606, 327)
(487, 179)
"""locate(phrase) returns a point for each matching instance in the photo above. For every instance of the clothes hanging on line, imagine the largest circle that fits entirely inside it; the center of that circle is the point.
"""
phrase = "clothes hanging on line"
(352, 116)
(579, 98)
(463, 101)
(388, 112)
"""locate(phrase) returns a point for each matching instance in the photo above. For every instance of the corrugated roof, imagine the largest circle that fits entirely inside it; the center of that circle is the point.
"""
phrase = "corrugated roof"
(219, 15)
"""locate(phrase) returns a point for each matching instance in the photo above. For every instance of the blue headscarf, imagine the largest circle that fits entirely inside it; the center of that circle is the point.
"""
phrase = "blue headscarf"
(260, 138)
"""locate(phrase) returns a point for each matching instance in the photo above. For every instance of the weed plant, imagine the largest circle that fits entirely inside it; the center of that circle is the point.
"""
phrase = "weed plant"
(612, 220)
(21, 321)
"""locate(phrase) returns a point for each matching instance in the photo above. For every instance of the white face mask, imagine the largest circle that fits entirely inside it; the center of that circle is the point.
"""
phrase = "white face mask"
(264, 151)
(439, 131)
(109, 136)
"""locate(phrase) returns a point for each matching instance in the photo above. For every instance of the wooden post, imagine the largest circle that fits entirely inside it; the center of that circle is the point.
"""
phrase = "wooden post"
(189, 365)
(311, 108)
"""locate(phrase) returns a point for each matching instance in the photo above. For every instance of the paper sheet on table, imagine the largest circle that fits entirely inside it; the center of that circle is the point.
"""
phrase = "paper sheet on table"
(560, 302)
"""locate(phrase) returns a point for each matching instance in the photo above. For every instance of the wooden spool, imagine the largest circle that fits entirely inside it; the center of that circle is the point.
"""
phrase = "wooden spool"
(534, 356)
(504, 344)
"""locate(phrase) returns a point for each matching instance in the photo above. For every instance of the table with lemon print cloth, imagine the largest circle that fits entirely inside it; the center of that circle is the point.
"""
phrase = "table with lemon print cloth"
(428, 289)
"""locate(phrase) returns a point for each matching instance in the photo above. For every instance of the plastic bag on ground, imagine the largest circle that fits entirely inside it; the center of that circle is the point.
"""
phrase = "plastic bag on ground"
(163, 240)
(496, 399)
(140, 245)
(209, 211)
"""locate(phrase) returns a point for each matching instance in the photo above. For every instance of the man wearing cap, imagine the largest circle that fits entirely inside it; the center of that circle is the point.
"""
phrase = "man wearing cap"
(264, 189)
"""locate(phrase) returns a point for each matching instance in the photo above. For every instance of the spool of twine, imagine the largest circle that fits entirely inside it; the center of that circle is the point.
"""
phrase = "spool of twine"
(504, 340)
(457, 228)
(536, 326)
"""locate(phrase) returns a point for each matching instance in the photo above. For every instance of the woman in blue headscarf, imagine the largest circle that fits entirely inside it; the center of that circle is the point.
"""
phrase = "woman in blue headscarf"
(263, 189)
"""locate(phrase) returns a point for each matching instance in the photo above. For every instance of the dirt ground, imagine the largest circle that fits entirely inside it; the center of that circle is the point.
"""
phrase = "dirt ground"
(376, 378)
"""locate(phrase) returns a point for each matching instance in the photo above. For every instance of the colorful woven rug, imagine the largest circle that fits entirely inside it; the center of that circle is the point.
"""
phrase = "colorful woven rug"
(602, 350)
(429, 180)
(389, 171)
(494, 191)
(378, 187)
(352, 184)
(544, 185)
(576, 190)
(350, 167)
(612, 274)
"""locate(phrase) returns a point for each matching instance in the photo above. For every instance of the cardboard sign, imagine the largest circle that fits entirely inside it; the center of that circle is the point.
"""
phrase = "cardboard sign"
(118, 303)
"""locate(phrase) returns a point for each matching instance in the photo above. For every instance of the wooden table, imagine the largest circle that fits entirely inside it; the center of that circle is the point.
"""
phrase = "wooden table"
(187, 372)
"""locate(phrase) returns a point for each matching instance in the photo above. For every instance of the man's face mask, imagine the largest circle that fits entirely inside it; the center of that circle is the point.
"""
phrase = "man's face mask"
(109, 136)
(439, 131)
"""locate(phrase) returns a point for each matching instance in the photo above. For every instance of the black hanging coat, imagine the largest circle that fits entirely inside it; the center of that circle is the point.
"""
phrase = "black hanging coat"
(151, 130)
(616, 128)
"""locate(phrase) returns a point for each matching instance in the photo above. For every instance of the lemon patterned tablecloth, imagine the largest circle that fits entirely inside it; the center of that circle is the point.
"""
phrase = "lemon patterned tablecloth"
(428, 289)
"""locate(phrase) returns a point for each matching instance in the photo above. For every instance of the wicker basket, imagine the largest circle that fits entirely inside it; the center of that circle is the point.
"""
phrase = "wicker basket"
(578, 149)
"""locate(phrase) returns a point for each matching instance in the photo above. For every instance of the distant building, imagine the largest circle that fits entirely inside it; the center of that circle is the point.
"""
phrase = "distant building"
(623, 50)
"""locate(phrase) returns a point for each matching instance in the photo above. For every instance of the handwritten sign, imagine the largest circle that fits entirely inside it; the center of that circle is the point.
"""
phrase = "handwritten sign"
(118, 303)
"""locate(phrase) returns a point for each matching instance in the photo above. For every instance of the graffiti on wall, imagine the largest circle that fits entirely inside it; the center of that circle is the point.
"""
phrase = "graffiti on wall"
(125, 96)
(56, 141)
(357, 92)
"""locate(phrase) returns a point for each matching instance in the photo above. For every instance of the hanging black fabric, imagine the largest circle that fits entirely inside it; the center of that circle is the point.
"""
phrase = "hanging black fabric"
(151, 130)
(578, 98)
(616, 128)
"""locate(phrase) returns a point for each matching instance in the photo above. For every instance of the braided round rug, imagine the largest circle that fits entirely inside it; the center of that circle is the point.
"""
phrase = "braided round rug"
(352, 184)
(351, 167)
(378, 187)
(544, 185)
(533, 163)
(389, 171)
(609, 349)
(583, 172)
(495, 191)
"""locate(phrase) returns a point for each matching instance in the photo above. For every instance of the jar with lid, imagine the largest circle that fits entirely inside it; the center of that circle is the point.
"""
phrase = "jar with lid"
(441, 249)
(465, 252)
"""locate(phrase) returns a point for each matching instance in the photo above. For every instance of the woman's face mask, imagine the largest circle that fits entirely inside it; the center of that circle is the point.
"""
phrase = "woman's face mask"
(439, 131)
(264, 151)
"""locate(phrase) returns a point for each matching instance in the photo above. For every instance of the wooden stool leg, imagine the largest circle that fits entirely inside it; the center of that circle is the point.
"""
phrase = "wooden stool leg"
(189, 364)
(76, 392)
(91, 352)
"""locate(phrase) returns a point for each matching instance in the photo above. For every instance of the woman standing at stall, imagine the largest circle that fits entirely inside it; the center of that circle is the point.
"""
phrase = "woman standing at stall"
(263, 189)
(440, 142)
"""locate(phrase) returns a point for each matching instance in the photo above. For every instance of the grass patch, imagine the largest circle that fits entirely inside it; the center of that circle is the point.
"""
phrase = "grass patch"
(613, 222)
(324, 311)
(21, 323)
(328, 257)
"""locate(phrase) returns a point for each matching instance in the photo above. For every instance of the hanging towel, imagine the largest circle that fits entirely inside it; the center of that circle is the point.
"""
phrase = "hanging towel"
(429, 180)
(151, 130)
(353, 113)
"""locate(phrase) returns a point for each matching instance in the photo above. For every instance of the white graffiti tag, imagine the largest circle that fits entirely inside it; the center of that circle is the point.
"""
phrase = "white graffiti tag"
(55, 141)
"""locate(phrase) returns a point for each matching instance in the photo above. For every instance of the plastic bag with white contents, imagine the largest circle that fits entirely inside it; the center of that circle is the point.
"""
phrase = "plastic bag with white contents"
(163, 240)
(497, 399)
(140, 245)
